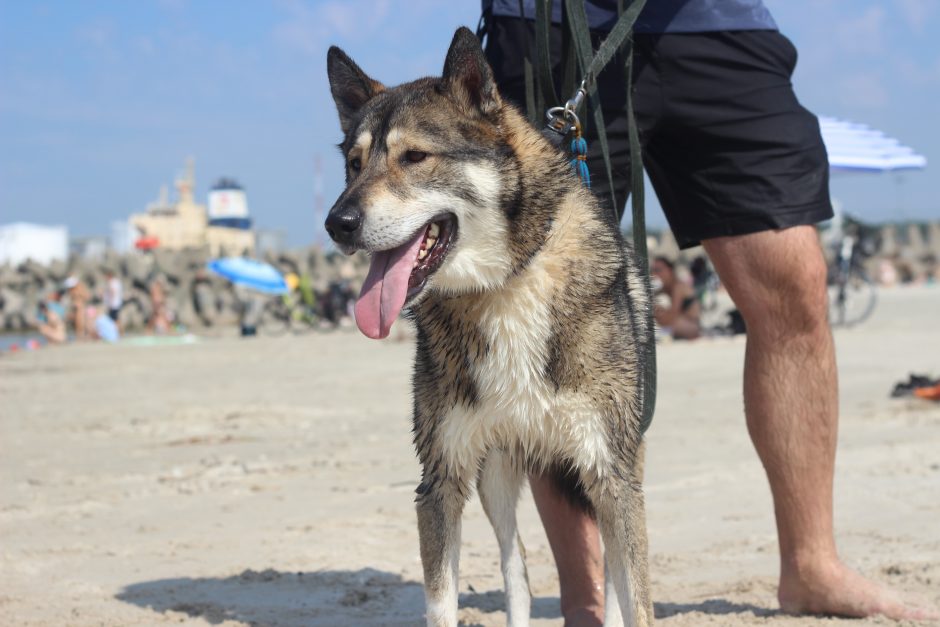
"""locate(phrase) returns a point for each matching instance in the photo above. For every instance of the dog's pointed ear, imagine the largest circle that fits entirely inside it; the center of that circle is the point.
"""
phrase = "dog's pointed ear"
(350, 86)
(467, 75)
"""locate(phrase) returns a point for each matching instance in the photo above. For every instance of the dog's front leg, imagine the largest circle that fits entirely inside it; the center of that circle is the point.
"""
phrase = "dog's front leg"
(612, 615)
(499, 486)
(440, 505)
(621, 517)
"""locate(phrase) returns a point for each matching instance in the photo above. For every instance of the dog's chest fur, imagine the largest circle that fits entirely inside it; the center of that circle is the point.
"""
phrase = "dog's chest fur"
(515, 404)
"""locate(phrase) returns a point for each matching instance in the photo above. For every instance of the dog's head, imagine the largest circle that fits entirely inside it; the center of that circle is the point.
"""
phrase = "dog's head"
(423, 182)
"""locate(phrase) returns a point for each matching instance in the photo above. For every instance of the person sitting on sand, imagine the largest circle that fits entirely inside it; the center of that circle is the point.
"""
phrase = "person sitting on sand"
(51, 323)
(681, 317)
(103, 327)
(78, 302)
(160, 318)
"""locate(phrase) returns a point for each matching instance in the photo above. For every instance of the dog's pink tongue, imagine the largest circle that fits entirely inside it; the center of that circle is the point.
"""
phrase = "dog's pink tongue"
(386, 288)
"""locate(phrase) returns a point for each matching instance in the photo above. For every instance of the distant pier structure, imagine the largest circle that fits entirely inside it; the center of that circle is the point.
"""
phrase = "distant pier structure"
(224, 227)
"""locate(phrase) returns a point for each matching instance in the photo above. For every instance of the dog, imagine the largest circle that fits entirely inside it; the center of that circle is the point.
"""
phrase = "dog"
(530, 316)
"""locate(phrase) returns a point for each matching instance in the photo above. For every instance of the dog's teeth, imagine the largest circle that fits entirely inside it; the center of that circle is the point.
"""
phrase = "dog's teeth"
(434, 230)
(429, 242)
(422, 254)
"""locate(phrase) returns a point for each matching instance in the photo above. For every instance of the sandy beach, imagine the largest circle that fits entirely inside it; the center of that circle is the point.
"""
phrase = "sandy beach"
(269, 481)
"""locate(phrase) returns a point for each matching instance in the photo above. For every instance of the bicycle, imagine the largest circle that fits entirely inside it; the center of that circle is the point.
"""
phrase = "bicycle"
(852, 293)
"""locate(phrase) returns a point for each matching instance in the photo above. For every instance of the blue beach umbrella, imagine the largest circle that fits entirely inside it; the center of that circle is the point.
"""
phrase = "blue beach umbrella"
(256, 275)
(854, 147)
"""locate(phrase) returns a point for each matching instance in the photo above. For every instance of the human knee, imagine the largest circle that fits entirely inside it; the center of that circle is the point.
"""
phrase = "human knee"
(793, 301)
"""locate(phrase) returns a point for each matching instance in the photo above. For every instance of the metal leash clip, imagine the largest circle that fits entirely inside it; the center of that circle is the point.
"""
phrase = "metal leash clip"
(562, 121)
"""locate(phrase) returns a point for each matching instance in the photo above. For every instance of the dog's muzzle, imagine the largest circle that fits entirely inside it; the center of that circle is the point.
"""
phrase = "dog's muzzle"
(343, 224)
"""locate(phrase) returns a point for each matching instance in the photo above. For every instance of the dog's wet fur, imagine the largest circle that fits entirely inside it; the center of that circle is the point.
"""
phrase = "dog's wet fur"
(531, 321)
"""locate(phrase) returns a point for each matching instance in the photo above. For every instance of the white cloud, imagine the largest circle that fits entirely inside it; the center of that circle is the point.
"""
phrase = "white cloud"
(863, 34)
(308, 29)
(917, 13)
(301, 31)
(354, 20)
(145, 46)
(98, 34)
(920, 74)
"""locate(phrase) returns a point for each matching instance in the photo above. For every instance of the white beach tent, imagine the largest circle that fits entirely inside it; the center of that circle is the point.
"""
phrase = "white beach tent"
(856, 147)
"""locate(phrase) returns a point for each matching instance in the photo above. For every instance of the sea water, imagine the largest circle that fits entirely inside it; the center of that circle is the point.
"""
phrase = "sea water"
(20, 341)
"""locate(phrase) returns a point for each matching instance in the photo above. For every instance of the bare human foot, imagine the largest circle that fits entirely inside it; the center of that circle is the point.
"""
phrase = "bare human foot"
(831, 588)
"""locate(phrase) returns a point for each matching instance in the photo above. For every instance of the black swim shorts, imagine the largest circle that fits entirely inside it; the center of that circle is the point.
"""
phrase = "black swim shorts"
(726, 144)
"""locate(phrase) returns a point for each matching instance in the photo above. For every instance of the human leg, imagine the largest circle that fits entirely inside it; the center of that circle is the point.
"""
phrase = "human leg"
(575, 541)
(77, 316)
(778, 282)
(54, 333)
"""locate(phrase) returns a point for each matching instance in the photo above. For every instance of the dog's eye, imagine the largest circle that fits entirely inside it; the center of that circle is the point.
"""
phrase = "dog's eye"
(355, 164)
(415, 156)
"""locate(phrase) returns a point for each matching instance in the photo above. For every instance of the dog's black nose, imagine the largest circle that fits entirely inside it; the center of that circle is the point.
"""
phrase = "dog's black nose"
(342, 224)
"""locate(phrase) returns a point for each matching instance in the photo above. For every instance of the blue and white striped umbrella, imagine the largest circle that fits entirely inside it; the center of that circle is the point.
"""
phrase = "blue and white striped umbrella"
(856, 147)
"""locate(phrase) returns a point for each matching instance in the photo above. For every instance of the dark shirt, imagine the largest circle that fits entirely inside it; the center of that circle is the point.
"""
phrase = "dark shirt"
(660, 16)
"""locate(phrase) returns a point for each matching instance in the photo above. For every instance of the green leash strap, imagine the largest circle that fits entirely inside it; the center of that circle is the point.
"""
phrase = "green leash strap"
(637, 204)
(577, 17)
(618, 36)
(546, 84)
(532, 106)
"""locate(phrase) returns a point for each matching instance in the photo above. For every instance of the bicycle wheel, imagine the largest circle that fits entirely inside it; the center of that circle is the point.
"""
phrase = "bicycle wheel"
(275, 319)
(853, 301)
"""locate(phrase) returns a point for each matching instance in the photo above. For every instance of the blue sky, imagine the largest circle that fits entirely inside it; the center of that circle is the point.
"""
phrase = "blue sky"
(101, 101)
